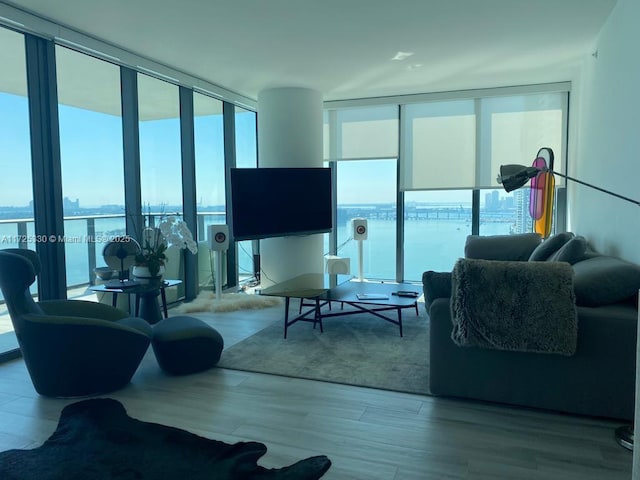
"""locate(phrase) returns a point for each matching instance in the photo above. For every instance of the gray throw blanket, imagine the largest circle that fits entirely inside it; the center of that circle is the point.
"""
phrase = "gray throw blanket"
(519, 306)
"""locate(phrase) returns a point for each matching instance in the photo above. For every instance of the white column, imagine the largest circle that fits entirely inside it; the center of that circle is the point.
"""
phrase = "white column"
(290, 135)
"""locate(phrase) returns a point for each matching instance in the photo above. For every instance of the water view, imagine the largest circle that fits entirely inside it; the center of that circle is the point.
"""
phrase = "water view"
(430, 243)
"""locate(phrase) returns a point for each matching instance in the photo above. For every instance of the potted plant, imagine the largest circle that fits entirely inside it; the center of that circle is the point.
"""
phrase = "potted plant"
(171, 230)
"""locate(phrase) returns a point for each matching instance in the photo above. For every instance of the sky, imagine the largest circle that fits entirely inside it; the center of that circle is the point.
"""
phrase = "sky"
(91, 156)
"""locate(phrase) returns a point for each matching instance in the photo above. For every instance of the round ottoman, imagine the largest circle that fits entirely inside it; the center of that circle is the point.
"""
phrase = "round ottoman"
(186, 345)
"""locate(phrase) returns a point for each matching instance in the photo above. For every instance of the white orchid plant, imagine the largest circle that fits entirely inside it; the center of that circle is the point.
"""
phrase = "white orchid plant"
(170, 231)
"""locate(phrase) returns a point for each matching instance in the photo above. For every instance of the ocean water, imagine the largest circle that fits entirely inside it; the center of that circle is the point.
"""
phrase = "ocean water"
(429, 245)
(76, 241)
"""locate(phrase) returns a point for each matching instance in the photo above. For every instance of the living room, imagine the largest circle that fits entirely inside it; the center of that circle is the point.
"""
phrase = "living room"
(601, 141)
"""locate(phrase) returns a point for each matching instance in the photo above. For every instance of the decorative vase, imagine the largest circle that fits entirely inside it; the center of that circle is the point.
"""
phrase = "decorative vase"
(142, 271)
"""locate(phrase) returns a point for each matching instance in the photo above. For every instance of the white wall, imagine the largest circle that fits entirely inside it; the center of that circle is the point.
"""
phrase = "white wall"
(605, 118)
(605, 125)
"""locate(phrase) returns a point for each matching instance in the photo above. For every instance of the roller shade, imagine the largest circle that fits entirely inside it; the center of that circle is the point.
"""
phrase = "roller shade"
(361, 133)
(461, 144)
(517, 127)
(439, 146)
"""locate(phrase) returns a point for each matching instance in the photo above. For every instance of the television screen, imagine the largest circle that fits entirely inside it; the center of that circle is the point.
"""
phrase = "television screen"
(278, 202)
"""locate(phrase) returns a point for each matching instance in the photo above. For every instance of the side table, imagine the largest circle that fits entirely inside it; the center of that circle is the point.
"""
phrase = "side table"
(146, 292)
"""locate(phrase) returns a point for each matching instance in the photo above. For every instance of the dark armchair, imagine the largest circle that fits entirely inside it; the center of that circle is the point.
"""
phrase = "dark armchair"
(70, 347)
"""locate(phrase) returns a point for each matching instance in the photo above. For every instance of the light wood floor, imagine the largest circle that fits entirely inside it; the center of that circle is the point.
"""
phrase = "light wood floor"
(367, 434)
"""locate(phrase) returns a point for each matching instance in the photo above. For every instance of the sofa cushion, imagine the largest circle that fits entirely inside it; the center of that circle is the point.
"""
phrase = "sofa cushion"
(571, 252)
(435, 285)
(604, 280)
(501, 247)
(550, 246)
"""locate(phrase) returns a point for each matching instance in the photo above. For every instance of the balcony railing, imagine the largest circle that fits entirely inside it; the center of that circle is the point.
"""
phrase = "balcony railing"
(85, 237)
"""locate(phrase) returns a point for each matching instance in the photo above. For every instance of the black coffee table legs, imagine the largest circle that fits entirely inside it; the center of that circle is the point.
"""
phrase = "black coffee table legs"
(359, 307)
(373, 310)
(317, 315)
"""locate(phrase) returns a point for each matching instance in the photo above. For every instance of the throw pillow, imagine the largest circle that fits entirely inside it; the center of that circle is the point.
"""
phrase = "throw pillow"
(604, 280)
(435, 285)
(550, 246)
(501, 247)
(571, 252)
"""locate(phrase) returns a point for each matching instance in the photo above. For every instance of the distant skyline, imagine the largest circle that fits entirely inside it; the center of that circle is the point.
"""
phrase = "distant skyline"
(168, 208)
(451, 197)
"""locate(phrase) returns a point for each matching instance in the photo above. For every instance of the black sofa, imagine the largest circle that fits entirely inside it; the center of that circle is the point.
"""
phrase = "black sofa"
(598, 380)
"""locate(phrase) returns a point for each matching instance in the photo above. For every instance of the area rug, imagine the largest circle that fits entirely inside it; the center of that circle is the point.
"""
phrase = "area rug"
(97, 440)
(206, 301)
(358, 349)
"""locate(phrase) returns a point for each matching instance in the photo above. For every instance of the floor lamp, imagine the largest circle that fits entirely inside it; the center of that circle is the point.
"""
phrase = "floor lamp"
(513, 177)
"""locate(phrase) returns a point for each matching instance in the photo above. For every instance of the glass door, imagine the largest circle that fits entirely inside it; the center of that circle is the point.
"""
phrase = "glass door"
(16, 194)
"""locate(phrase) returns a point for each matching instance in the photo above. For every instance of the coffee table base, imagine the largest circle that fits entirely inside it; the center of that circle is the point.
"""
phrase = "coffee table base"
(302, 317)
(361, 307)
(323, 289)
(374, 310)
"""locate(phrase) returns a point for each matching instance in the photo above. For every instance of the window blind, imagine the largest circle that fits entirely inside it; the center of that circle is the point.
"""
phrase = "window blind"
(361, 133)
(439, 146)
(461, 144)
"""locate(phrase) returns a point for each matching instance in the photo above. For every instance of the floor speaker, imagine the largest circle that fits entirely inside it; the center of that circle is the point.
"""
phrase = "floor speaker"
(218, 236)
(360, 229)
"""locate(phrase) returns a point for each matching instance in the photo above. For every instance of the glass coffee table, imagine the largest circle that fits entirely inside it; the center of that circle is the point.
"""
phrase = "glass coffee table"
(375, 298)
(322, 289)
(311, 286)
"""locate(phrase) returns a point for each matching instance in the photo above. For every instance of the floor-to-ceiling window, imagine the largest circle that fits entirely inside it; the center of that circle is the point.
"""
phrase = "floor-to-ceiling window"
(209, 157)
(16, 194)
(246, 157)
(89, 110)
(437, 176)
(451, 149)
(367, 189)
(160, 152)
(363, 144)
(210, 179)
(161, 163)
(513, 129)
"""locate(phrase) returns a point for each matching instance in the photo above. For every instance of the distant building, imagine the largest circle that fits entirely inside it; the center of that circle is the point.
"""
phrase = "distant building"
(68, 204)
(523, 219)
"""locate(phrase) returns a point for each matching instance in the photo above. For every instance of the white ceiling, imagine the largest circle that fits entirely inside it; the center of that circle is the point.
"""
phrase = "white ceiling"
(344, 48)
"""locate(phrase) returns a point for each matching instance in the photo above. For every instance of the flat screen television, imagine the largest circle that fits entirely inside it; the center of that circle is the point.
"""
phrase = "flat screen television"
(279, 202)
